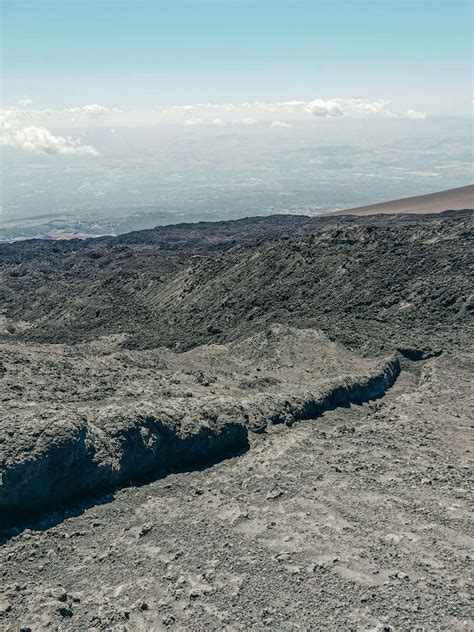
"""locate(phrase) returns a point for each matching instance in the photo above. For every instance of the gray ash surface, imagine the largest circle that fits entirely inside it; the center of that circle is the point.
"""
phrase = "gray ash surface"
(263, 424)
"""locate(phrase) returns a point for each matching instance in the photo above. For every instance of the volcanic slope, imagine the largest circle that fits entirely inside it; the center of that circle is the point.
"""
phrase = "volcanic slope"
(125, 362)
(438, 202)
(373, 284)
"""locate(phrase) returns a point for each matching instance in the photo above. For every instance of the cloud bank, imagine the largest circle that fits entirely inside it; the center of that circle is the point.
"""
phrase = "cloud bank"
(30, 130)
(246, 113)
(89, 111)
(346, 107)
(38, 139)
(265, 111)
(41, 141)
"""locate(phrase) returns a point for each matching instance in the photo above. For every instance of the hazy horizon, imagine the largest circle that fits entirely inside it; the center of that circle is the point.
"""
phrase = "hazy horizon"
(118, 115)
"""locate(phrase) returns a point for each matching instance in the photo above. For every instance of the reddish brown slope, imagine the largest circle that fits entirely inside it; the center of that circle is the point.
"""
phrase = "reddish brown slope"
(452, 199)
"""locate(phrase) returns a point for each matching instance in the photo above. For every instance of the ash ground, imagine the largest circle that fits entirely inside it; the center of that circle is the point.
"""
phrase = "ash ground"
(360, 519)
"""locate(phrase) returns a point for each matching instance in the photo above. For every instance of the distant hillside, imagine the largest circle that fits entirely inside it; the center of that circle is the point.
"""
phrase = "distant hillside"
(451, 199)
(372, 282)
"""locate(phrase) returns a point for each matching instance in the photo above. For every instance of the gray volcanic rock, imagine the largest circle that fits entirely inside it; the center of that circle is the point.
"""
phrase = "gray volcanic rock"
(170, 366)
(95, 422)
(374, 284)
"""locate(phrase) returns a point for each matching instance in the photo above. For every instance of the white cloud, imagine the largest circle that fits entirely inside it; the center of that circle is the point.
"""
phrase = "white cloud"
(89, 111)
(319, 107)
(14, 132)
(243, 113)
(344, 107)
(60, 117)
(6, 117)
(41, 141)
(24, 102)
(414, 115)
(266, 111)
(280, 124)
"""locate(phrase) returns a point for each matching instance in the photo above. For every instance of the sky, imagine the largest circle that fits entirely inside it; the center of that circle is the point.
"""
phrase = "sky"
(143, 53)
(203, 109)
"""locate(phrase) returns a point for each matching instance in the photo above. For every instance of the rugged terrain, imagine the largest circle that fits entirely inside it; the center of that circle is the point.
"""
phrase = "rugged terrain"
(373, 283)
(261, 424)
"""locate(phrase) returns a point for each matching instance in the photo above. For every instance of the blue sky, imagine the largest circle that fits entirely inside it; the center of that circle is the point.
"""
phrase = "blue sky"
(140, 53)
(231, 107)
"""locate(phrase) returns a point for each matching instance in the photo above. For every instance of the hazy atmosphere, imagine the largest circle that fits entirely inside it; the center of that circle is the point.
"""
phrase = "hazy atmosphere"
(120, 115)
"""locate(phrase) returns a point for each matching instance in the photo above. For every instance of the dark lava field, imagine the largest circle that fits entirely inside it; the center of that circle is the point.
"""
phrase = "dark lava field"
(263, 424)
